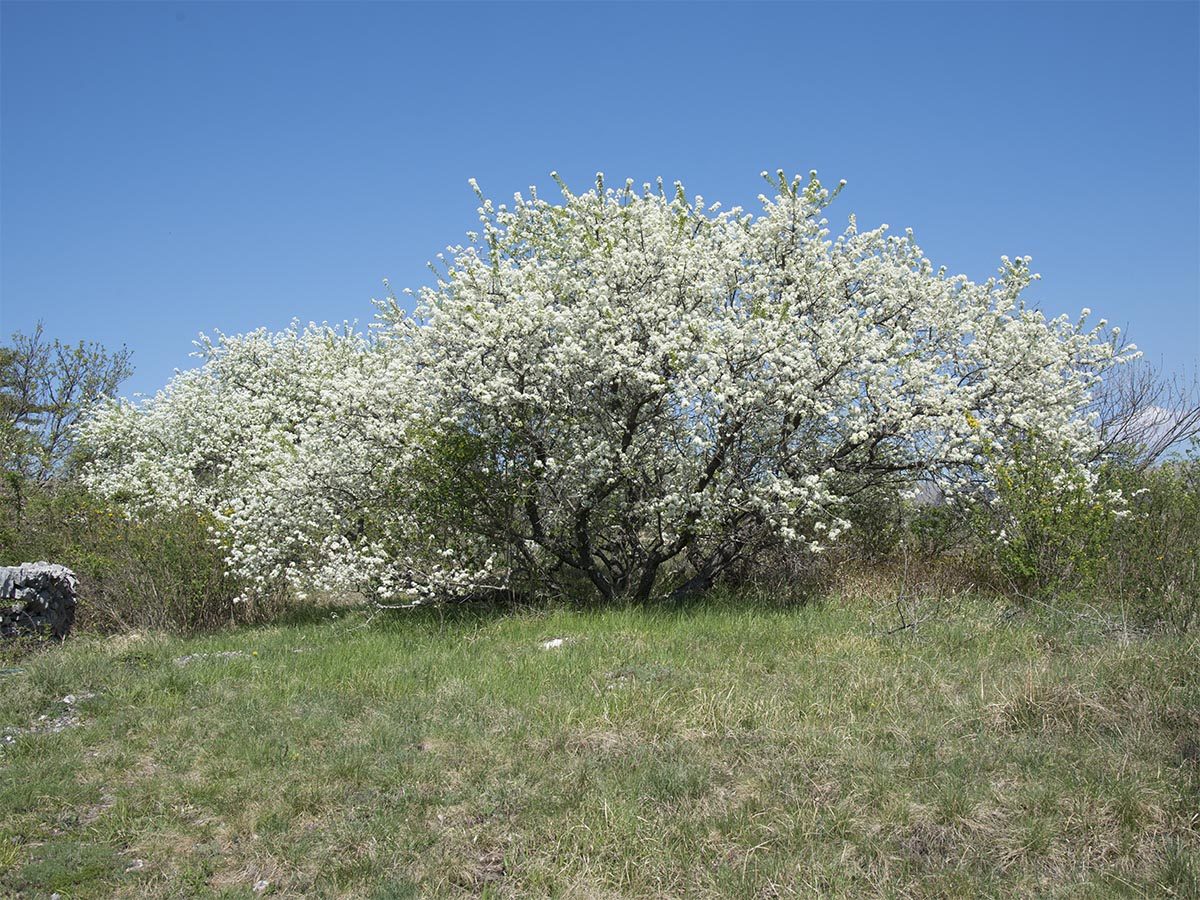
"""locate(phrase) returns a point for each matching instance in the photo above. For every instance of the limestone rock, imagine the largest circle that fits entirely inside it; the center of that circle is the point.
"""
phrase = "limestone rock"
(36, 598)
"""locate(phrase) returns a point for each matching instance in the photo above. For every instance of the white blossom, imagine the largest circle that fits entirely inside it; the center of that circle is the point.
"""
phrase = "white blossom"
(628, 390)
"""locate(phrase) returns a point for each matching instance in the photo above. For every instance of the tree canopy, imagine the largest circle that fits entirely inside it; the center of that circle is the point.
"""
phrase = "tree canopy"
(45, 386)
(627, 391)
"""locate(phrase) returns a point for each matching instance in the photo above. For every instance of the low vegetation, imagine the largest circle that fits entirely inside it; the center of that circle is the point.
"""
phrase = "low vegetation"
(731, 748)
(160, 572)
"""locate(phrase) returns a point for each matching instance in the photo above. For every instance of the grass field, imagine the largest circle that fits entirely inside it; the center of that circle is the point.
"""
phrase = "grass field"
(726, 749)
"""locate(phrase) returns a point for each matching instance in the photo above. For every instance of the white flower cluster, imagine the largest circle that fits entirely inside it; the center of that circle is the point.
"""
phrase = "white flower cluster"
(628, 389)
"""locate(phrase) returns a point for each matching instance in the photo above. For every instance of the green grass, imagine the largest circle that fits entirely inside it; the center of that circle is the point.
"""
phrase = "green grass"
(722, 750)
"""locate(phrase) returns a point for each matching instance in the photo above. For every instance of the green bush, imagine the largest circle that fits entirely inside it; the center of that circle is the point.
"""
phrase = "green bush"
(934, 530)
(877, 524)
(1047, 528)
(1126, 545)
(160, 573)
(1151, 567)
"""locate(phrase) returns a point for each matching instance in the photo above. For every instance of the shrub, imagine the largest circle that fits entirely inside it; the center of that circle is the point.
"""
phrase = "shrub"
(933, 530)
(158, 572)
(1151, 567)
(1045, 525)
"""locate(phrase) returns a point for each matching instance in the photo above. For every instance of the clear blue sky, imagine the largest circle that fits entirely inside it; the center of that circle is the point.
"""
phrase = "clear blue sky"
(170, 168)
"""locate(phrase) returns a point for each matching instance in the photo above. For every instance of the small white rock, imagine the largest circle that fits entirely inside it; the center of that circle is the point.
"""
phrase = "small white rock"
(260, 886)
(557, 642)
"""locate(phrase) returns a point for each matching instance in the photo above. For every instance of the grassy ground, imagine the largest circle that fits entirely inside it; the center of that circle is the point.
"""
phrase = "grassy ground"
(724, 750)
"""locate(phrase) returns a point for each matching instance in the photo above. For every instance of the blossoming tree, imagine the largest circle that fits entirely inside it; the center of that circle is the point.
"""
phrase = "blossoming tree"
(628, 390)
